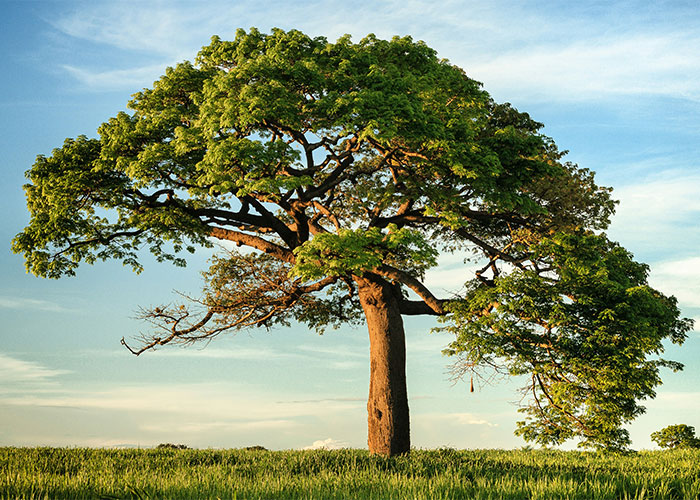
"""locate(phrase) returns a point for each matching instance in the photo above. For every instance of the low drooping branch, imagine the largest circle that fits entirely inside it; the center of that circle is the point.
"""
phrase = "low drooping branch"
(242, 291)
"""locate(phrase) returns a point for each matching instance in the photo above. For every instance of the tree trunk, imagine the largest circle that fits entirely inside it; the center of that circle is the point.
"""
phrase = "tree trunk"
(387, 406)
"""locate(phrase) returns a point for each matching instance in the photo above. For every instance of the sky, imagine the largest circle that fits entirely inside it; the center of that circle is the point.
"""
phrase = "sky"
(616, 83)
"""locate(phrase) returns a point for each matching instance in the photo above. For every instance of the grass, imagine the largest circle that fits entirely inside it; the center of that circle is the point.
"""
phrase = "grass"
(77, 473)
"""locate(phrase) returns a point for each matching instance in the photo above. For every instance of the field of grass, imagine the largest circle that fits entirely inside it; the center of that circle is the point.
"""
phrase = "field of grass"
(75, 473)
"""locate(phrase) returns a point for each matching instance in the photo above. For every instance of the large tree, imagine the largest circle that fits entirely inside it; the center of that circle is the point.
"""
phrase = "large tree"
(344, 169)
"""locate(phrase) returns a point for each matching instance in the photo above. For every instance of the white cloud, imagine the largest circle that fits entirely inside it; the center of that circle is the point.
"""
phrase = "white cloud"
(206, 414)
(516, 50)
(425, 343)
(669, 195)
(657, 217)
(158, 27)
(131, 79)
(592, 68)
(335, 351)
(34, 304)
(324, 400)
(454, 419)
(659, 214)
(208, 402)
(336, 357)
(197, 427)
(451, 273)
(327, 444)
(677, 401)
(246, 353)
(680, 278)
(14, 370)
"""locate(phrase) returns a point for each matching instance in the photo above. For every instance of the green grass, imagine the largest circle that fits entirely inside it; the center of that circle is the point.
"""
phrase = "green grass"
(76, 473)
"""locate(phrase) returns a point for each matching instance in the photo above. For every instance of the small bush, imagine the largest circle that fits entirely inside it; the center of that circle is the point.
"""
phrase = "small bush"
(171, 446)
(676, 436)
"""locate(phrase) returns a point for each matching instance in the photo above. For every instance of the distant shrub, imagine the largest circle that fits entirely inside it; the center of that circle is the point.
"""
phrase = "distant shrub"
(676, 436)
(256, 448)
(171, 446)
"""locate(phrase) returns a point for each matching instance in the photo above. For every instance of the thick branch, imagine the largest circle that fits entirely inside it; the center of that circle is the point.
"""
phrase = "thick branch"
(490, 249)
(417, 308)
(254, 242)
(333, 179)
(414, 217)
(421, 290)
(274, 223)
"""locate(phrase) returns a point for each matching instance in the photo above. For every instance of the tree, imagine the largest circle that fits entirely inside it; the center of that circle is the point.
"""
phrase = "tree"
(676, 436)
(344, 169)
(579, 323)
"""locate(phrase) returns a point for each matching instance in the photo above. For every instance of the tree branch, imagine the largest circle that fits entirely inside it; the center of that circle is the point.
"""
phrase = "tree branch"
(421, 290)
(254, 242)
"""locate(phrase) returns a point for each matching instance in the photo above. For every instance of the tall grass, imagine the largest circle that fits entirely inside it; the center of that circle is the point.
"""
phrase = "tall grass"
(60, 473)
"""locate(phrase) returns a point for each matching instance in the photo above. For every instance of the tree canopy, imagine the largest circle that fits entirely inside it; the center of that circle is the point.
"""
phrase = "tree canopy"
(676, 436)
(345, 166)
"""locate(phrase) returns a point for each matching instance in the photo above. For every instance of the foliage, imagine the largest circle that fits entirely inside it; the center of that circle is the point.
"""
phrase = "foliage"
(345, 474)
(335, 163)
(171, 446)
(579, 321)
(215, 144)
(676, 436)
(356, 251)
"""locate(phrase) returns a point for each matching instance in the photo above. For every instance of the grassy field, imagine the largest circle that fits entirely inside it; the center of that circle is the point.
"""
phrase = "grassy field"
(75, 473)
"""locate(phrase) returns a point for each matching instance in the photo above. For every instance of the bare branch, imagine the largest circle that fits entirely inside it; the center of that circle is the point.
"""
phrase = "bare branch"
(244, 290)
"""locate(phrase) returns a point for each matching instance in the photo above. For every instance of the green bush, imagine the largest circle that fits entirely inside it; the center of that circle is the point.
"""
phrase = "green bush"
(676, 436)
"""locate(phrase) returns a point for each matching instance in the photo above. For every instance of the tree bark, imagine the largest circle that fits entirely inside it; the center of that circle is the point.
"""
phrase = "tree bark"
(387, 406)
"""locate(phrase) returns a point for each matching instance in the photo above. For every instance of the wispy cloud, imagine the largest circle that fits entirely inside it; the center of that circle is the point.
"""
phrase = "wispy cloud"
(336, 358)
(32, 304)
(243, 353)
(678, 401)
(658, 218)
(325, 400)
(520, 54)
(459, 419)
(451, 273)
(659, 214)
(117, 79)
(196, 427)
(668, 196)
(159, 27)
(344, 351)
(680, 278)
(199, 414)
(203, 400)
(591, 69)
(13, 370)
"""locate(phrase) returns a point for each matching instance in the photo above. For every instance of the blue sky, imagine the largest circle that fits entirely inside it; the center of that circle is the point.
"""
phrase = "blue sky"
(616, 83)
